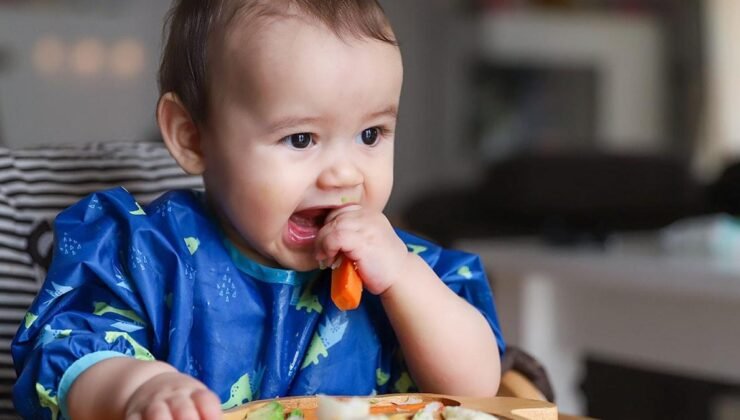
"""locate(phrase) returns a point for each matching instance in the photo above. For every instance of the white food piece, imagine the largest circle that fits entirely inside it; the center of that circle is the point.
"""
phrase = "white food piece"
(427, 413)
(335, 409)
(459, 413)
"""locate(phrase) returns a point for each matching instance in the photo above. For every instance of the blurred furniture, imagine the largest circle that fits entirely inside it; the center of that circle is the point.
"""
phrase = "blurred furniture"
(35, 184)
(724, 193)
(655, 394)
(522, 376)
(4, 63)
(564, 197)
(671, 314)
(627, 51)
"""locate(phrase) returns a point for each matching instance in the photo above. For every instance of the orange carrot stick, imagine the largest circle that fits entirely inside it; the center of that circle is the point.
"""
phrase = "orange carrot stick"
(397, 408)
(346, 286)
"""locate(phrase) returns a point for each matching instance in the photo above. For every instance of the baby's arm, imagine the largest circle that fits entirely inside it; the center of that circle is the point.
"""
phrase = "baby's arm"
(448, 345)
(126, 388)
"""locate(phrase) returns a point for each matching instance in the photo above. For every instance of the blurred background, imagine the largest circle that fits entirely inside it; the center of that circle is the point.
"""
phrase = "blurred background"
(586, 149)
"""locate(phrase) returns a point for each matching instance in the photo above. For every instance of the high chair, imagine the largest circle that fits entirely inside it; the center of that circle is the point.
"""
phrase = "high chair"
(522, 376)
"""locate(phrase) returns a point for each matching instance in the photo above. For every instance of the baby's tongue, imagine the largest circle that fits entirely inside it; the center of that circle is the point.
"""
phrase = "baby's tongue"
(305, 225)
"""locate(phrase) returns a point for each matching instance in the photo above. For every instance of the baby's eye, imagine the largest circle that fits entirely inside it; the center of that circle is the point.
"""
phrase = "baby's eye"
(369, 136)
(299, 140)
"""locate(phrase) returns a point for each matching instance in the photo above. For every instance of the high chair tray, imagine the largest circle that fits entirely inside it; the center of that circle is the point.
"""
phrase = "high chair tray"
(407, 404)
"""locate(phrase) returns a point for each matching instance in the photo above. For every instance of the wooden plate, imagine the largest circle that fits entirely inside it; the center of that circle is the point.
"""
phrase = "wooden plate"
(502, 407)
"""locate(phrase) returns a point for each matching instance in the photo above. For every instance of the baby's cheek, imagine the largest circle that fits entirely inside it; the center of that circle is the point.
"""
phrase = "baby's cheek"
(269, 201)
(266, 193)
(253, 209)
(378, 190)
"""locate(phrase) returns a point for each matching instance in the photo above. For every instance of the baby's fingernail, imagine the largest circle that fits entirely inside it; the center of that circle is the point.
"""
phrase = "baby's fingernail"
(322, 265)
(337, 263)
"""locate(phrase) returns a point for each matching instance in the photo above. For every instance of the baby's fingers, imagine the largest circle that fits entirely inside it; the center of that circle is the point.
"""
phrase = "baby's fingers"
(208, 404)
(157, 410)
(340, 211)
(333, 236)
(182, 407)
(338, 241)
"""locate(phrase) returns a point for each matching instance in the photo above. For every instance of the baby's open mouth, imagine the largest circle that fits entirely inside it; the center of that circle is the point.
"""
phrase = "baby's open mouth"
(304, 226)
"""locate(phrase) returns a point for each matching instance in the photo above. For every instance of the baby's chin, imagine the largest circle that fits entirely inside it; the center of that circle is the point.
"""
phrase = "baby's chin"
(282, 257)
(298, 261)
(306, 266)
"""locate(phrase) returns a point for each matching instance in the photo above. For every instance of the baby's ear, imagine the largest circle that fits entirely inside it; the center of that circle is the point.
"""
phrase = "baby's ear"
(180, 133)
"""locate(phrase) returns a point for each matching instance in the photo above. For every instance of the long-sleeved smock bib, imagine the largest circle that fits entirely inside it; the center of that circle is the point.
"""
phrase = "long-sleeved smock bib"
(164, 283)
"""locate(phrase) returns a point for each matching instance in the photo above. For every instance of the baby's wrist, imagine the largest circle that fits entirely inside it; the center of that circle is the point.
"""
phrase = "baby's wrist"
(160, 386)
(145, 371)
(403, 277)
(107, 387)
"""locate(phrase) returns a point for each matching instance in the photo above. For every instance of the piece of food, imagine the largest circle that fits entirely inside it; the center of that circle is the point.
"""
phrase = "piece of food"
(459, 413)
(296, 414)
(396, 408)
(342, 408)
(270, 411)
(429, 412)
(329, 408)
(346, 286)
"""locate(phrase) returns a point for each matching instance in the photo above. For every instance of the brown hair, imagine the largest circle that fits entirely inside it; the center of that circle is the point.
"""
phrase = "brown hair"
(191, 25)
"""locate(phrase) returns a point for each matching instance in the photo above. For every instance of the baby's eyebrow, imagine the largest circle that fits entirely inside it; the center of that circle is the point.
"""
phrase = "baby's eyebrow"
(290, 122)
(391, 111)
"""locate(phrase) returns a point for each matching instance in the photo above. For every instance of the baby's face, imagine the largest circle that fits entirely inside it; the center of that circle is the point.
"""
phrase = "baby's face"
(302, 122)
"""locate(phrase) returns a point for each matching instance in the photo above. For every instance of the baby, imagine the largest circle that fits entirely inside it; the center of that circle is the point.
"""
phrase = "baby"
(205, 301)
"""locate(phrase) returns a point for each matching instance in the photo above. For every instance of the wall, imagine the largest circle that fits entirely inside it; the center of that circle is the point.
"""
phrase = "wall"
(64, 106)
(721, 138)
(437, 42)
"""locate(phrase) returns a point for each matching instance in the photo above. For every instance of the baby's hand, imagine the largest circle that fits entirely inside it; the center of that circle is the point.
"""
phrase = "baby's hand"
(367, 238)
(173, 396)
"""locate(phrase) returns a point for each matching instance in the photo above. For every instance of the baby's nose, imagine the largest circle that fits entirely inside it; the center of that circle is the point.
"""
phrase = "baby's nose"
(340, 174)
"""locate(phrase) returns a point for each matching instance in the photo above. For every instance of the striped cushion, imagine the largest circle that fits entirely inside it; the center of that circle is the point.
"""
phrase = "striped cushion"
(35, 184)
